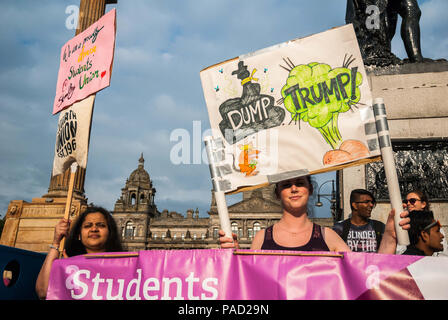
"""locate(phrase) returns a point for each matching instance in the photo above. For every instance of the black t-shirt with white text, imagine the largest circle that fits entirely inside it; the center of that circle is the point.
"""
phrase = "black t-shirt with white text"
(360, 238)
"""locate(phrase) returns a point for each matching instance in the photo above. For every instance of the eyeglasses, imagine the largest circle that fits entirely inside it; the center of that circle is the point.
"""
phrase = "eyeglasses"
(432, 224)
(367, 201)
(412, 201)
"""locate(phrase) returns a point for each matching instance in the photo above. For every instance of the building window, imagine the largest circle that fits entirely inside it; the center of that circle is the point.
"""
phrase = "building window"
(250, 233)
(203, 236)
(133, 200)
(194, 236)
(215, 233)
(183, 236)
(257, 227)
(175, 236)
(130, 230)
(234, 227)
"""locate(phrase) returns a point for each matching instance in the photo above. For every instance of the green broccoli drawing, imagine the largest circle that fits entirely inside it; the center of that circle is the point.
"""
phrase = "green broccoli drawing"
(317, 94)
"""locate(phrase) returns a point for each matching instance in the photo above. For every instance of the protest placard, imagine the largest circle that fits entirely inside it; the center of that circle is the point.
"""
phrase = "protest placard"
(73, 135)
(300, 107)
(86, 63)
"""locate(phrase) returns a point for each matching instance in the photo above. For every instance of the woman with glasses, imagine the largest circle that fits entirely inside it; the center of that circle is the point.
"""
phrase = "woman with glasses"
(417, 200)
(295, 231)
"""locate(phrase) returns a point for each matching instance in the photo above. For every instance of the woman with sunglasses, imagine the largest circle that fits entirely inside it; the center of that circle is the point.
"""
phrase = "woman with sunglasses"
(295, 231)
(417, 200)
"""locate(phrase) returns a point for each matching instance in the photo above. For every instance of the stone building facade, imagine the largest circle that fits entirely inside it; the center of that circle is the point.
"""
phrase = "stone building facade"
(135, 207)
(143, 227)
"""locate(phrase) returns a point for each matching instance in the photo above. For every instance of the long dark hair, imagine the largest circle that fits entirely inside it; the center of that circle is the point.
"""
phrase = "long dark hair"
(74, 245)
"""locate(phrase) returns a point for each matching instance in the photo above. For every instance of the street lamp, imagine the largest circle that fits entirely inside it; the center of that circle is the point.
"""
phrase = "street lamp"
(332, 200)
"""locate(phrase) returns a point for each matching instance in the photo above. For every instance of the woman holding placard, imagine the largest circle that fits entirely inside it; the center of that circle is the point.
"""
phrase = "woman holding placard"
(295, 231)
(94, 231)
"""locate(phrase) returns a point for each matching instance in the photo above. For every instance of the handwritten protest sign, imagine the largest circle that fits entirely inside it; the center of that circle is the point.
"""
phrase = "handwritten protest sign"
(300, 107)
(86, 63)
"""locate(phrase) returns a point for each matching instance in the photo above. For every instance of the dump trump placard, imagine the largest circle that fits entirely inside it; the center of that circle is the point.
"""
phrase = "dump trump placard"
(86, 63)
(300, 107)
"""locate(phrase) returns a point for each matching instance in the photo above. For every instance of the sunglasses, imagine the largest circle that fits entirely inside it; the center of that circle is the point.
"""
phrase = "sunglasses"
(432, 224)
(289, 184)
(412, 201)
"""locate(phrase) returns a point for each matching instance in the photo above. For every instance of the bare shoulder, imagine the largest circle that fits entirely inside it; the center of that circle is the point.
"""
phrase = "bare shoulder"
(258, 240)
(334, 241)
(330, 232)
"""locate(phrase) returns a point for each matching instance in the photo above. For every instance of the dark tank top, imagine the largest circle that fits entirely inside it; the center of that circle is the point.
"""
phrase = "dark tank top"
(316, 242)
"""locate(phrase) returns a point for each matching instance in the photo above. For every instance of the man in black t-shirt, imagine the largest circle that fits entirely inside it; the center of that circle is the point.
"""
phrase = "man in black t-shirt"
(361, 233)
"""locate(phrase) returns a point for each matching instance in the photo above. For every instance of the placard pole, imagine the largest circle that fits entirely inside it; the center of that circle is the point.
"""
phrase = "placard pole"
(220, 198)
(387, 154)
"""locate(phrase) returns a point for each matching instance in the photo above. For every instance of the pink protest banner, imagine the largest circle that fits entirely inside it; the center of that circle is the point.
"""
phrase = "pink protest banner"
(222, 275)
(86, 63)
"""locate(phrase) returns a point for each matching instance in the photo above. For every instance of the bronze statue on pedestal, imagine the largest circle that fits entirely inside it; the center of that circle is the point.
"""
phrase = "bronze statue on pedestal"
(375, 22)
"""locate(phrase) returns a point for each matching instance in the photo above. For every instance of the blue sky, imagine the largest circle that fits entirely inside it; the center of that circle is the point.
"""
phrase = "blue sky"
(161, 47)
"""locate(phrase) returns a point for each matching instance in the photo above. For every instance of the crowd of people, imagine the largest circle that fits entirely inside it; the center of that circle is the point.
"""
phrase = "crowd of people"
(358, 233)
(425, 234)
(95, 230)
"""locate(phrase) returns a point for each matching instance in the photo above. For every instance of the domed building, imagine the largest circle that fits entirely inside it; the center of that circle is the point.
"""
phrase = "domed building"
(135, 207)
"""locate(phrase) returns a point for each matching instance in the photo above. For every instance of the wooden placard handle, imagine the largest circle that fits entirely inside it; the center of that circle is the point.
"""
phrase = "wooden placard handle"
(68, 204)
